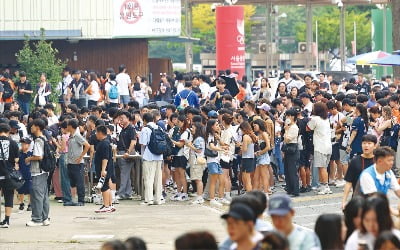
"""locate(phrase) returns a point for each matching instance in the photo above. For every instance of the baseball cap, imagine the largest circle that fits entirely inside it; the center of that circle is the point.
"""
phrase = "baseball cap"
(240, 211)
(319, 92)
(280, 204)
(304, 95)
(25, 140)
(14, 124)
(212, 114)
(264, 107)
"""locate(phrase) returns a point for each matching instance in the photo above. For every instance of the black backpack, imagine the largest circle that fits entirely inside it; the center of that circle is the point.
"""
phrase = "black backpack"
(48, 163)
(8, 91)
(158, 143)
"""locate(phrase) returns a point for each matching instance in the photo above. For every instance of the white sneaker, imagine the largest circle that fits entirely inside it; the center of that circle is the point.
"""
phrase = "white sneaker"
(198, 201)
(183, 197)
(325, 190)
(33, 224)
(340, 183)
(145, 203)
(215, 203)
(224, 201)
(206, 196)
(317, 189)
(175, 197)
(46, 222)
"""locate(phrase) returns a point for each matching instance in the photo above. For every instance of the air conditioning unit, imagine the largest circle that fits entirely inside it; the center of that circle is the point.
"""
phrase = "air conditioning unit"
(302, 46)
(262, 48)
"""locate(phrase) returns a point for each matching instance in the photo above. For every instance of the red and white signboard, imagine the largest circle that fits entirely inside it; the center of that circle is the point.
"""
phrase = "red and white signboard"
(147, 18)
(230, 43)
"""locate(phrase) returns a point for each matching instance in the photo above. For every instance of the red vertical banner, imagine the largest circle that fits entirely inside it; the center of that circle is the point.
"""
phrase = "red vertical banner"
(230, 44)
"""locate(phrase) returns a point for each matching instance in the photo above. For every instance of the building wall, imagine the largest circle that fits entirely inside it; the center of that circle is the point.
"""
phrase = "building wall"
(91, 54)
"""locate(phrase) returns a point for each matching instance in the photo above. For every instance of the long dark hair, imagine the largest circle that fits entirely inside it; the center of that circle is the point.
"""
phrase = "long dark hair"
(387, 236)
(363, 114)
(350, 212)
(261, 125)
(378, 203)
(185, 126)
(277, 89)
(199, 130)
(328, 229)
(209, 130)
(247, 130)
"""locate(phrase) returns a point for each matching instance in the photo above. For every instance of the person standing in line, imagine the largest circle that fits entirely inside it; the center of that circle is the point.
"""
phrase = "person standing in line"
(125, 146)
(25, 170)
(124, 85)
(24, 89)
(39, 193)
(10, 150)
(152, 164)
(77, 149)
(319, 123)
(104, 168)
(76, 89)
(63, 151)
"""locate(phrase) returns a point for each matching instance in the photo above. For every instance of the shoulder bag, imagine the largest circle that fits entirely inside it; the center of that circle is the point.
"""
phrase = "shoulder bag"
(14, 178)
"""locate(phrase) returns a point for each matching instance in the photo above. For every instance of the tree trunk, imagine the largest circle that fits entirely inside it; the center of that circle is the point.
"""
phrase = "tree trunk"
(396, 32)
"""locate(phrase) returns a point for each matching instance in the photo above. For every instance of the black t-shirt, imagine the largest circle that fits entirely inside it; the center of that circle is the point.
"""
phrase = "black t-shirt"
(103, 152)
(356, 166)
(25, 97)
(93, 139)
(125, 137)
(11, 152)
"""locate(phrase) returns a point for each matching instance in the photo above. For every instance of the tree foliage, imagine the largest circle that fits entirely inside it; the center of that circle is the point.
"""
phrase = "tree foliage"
(328, 19)
(40, 57)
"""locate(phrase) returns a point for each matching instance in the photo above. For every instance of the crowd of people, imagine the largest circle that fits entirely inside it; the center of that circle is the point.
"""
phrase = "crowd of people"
(198, 138)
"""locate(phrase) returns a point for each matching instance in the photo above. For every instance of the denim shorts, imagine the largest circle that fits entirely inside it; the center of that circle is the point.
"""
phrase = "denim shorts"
(214, 168)
(263, 159)
(125, 99)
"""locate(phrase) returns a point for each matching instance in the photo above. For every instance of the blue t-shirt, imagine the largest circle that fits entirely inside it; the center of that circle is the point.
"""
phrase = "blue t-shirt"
(359, 126)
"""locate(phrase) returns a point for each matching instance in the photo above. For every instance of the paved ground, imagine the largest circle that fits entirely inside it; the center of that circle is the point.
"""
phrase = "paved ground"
(81, 228)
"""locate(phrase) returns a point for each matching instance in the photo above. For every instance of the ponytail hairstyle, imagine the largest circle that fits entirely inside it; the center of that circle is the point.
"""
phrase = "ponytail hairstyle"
(247, 130)
(363, 114)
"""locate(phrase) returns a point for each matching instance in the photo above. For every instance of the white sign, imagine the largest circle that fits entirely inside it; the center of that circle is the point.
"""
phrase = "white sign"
(147, 18)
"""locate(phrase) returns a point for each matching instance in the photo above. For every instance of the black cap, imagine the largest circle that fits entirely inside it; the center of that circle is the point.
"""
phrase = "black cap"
(25, 140)
(241, 212)
(14, 124)
(304, 95)
(319, 92)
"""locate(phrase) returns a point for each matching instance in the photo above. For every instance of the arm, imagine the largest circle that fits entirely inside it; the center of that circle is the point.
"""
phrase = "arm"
(347, 188)
(352, 137)
(384, 125)
(86, 147)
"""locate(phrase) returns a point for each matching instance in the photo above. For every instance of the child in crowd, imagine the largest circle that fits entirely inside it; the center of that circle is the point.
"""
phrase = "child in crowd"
(25, 170)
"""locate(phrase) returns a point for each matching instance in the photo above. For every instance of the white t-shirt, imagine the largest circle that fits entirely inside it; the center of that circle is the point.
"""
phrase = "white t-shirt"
(334, 120)
(205, 89)
(95, 96)
(367, 183)
(186, 136)
(107, 88)
(123, 80)
(369, 239)
(228, 137)
(322, 134)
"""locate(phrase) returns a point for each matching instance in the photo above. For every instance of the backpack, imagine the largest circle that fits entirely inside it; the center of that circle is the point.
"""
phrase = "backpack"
(48, 163)
(158, 144)
(113, 93)
(8, 91)
(184, 101)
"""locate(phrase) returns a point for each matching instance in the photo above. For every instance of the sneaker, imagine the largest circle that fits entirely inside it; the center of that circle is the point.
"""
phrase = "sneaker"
(103, 209)
(340, 183)
(309, 189)
(325, 190)
(303, 190)
(175, 197)
(183, 197)
(112, 209)
(33, 224)
(224, 201)
(332, 183)
(60, 201)
(68, 204)
(80, 204)
(4, 224)
(215, 203)
(206, 196)
(198, 201)
(145, 203)
(29, 208)
(46, 222)
(21, 206)
(164, 194)
(318, 188)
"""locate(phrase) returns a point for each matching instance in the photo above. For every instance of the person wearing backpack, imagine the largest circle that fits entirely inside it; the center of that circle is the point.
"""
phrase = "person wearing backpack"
(152, 163)
(39, 192)
(112, 96)
(10, 149)
(8, 88)
(187, 97)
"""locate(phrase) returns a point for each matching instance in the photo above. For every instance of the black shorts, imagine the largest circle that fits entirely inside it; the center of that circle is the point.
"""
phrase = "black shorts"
(335, 152)
(226, 165)
(8, 194)
(304, 160)
(179, 162)
(248, 165)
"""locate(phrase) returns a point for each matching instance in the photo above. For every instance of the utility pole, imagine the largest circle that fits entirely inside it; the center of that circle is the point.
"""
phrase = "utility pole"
(342, 38)
(188, 30)
(396, 32)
